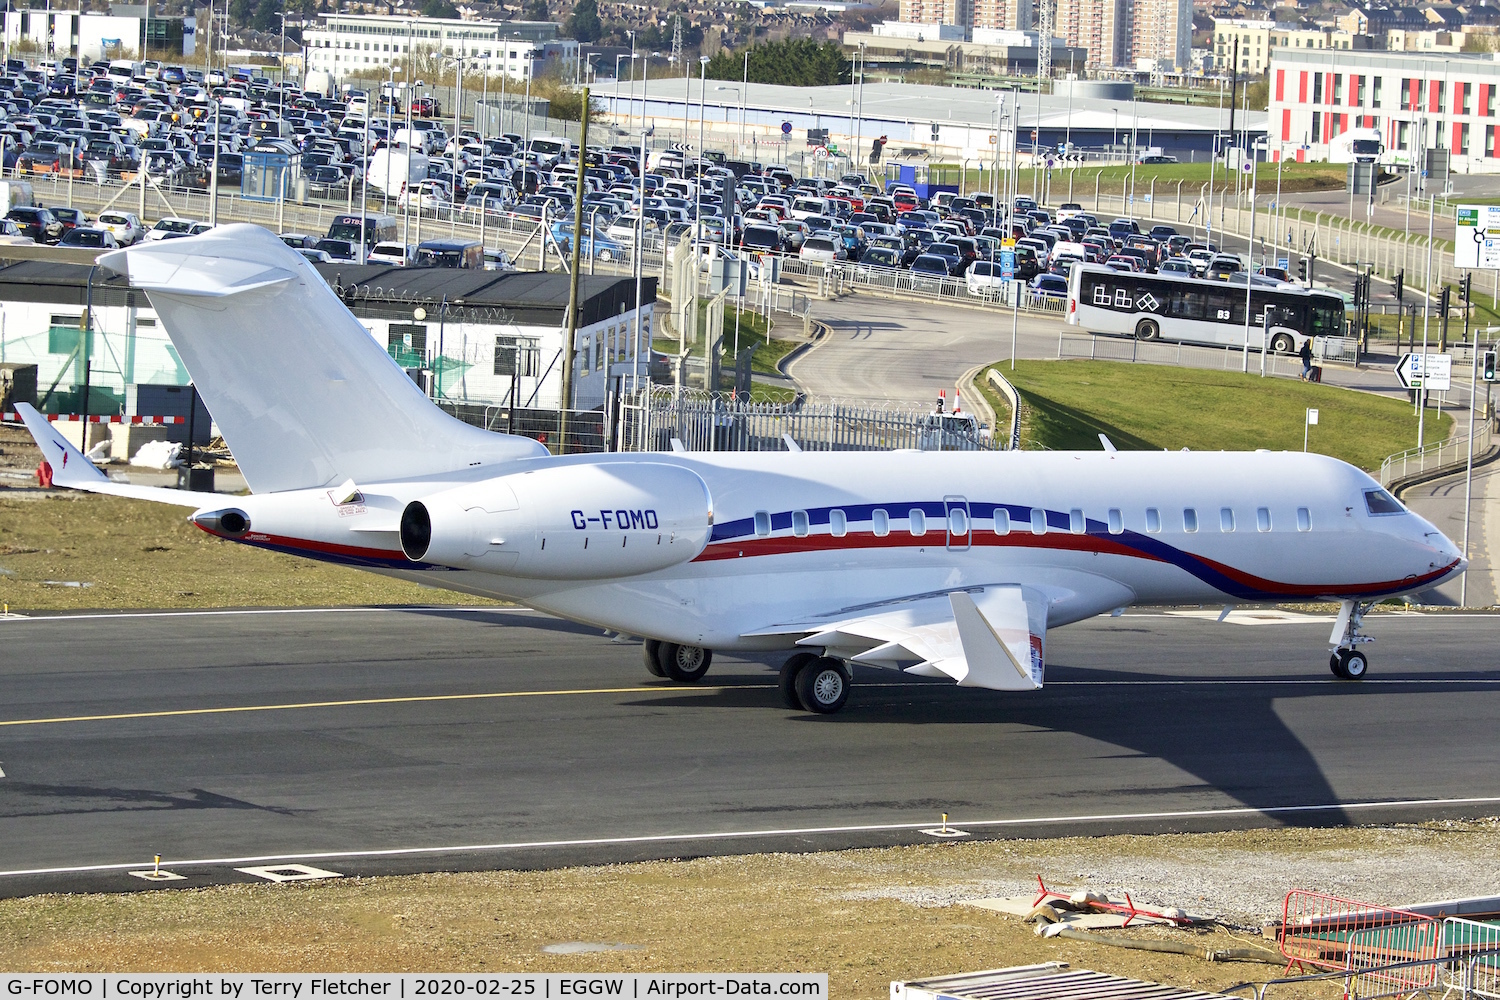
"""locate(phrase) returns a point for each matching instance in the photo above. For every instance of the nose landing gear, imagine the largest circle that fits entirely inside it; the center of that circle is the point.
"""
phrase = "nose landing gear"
(1346, 661)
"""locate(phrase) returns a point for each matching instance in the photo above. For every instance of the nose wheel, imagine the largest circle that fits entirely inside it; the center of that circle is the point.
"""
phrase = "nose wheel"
(1346, 661)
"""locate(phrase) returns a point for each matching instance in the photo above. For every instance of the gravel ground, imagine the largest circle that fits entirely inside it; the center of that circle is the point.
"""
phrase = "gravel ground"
(865, 917)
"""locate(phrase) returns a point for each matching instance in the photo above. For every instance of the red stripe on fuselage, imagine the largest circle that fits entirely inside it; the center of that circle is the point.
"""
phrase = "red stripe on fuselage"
(311, 545)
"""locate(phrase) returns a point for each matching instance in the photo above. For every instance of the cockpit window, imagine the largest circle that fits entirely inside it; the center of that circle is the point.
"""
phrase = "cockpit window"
(1381, 502)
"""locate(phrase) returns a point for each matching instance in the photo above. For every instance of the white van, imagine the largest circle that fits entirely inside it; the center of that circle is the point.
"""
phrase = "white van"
(806, 206)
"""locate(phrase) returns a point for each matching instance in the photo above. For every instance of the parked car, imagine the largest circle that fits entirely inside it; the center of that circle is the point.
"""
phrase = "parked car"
(396, 254)
(173, 224)
(983, 278)
(11, 235)
(37, 223)
(125, 227)
(86, 236)
(821, 248)
(928, 272)
(1049, 286)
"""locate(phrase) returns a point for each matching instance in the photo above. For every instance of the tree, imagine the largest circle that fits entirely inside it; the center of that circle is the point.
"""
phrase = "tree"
(240, 11)
(267, 15)
(796, 62)
(583, 24)
(535, 10)
(438, 8)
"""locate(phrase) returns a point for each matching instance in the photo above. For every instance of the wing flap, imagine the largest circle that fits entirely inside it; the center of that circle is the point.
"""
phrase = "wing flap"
(990, 637)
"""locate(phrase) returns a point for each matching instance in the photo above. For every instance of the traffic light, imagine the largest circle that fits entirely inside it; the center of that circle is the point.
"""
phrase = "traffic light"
(1464, 287)
(1489, 366)
(1400, 284)
(1444, 298)
(1302, 270)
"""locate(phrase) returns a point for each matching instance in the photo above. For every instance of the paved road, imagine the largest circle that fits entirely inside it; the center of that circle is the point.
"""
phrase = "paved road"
(1442, 502)
(481, 727)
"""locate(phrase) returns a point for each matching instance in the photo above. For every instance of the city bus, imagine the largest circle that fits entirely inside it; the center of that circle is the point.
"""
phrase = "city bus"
(1187, 310)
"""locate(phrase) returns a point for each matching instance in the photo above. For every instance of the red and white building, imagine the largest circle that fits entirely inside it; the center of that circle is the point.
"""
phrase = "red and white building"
(1322, 98)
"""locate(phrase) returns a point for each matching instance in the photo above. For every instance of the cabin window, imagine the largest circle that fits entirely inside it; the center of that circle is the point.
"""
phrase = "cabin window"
(799, 523)
(958, 521)
(1076, 521)
(838, 524)
(1262, 519)
(1038, 521)
(916, 521)
(1153, 520)
(1226, 519)
(1189, 519)
(880, 522)
(1304, 519)
(1116, 521)
(1002, 521)
(762, 523)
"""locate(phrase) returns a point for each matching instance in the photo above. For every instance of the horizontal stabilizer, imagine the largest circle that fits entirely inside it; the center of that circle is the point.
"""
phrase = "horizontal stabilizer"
(71, 470)
(301, 391)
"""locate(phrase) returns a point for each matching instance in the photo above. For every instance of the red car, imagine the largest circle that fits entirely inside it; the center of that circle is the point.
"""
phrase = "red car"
(425, 107)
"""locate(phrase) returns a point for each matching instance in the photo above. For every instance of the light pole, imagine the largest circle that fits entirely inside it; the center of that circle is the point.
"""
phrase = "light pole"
(698, 167)
(213, 180)
(630, 105)
(741, 94)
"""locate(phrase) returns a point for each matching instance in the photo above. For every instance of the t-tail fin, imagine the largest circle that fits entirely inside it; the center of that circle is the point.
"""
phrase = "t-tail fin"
(303, 394)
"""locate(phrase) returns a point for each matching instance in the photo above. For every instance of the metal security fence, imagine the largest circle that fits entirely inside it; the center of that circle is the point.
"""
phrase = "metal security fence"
(1098, 347)
(1439, 455)
(1331, 932)
(1473, 949)
(585, 431)
(702, 421)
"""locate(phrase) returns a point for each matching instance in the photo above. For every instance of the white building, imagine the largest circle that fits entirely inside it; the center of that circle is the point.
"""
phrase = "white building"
(349, 43)
(59, 33)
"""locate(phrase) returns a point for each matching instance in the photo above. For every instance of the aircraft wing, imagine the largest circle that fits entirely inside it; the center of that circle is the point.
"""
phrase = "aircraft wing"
(987, 637)
(72, 470)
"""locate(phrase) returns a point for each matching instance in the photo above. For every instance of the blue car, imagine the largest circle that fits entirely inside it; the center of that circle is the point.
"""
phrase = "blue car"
(595, 244)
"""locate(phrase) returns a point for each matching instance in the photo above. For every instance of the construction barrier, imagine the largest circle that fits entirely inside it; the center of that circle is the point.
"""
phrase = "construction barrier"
(95, 418)
(1474, 948)
(1333, 933)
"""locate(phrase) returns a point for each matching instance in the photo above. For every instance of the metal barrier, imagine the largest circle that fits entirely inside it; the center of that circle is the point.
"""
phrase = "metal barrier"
(585, 427)
(1477, 946)
(1102, 347)
(1462, 977)
(1371, 951)
(1432, 457)
(1335, 933)
(702, 421)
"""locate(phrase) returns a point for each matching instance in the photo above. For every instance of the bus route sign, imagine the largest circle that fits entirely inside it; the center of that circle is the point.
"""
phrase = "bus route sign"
(1476, 240)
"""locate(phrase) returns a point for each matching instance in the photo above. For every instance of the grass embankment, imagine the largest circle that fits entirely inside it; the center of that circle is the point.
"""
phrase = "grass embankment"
(134, 554)
(754, 332)
(1068, 404)
(1295, 178)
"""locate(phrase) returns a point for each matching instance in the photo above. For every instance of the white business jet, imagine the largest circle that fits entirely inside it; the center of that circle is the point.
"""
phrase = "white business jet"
(940, 564)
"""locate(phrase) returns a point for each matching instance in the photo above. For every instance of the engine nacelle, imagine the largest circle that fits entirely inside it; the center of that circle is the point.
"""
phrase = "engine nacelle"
(574, 522)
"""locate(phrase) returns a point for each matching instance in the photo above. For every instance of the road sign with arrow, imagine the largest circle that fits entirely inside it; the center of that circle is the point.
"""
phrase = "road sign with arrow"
(1436, 370)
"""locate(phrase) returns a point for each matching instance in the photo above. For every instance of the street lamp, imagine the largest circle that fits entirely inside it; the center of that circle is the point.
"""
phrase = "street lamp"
(741, 94)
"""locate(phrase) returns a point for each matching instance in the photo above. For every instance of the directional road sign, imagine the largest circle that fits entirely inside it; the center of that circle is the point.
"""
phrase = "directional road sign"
(1436, 370)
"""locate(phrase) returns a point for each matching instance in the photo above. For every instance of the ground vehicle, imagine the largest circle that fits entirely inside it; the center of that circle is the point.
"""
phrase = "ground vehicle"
(37, 223)
(1049, 286)
(372, 228)
(297, 241)
(983, 278)
(821, 248)
(1222, 266)
(171, 224)
(1158, 158)
(760, 238)
(451, 253)
(11, 235)
(84, 236)
(928, 272)
(1068, 210)
(1178, 265)
(335, 249)
(1190, 310)
(1358, 145)
(127, 229)
(390, 253)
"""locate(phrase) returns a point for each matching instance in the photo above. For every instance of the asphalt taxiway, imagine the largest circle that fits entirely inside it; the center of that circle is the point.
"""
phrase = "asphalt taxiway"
(383, 741)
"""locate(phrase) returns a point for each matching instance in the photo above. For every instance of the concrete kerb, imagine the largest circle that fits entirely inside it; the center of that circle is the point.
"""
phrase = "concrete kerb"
(967, 390)
(820, 333)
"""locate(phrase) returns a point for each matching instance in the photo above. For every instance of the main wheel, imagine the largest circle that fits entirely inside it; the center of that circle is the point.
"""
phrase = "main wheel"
(786, 682)
(651, 652)
(1282, 343)
(1355, 665)
(1336, 664)
(1147, 329)
(684, 664)
(823, 685)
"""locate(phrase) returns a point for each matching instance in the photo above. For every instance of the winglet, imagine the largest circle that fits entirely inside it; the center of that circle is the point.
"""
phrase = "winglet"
(1108, 444)
(1003, 650)
(69, 466)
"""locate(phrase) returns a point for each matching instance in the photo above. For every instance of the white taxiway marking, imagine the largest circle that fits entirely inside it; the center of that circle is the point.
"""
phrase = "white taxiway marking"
(288, 873)
(733, 835)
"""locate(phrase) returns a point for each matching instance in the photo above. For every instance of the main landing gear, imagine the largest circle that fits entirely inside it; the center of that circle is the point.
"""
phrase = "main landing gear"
(675, 662)
(819, 684)
(1346, 661)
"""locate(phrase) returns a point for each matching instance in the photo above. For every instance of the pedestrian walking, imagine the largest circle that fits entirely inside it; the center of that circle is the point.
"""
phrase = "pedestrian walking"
(1305, 353)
